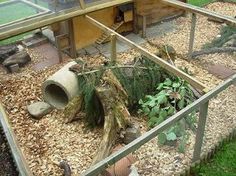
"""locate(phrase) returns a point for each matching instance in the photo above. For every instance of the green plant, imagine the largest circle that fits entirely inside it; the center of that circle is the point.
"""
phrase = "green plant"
(225, 34)
(172, 96)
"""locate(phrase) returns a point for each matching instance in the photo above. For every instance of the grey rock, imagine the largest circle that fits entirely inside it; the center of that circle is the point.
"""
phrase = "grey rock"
(39, 109)
(6, 51)
(20, 58)
(14, 68)
(131, 133)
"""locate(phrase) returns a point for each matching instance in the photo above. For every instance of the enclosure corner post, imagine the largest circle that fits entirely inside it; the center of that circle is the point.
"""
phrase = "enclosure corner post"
(113, 49)
(200, 131)
(82, 4)
(192, 34)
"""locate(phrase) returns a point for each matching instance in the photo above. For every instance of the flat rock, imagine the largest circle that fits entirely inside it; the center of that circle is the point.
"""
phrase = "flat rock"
(131, 133)
(39, 109)
(6, 51)
(21, 58)
(221, 71)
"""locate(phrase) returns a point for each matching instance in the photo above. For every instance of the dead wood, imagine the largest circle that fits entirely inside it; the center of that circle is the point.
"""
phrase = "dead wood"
(73, 107)
(213, 51)
(114, 100)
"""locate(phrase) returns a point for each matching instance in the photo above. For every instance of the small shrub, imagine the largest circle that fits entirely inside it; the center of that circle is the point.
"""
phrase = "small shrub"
(171, 97)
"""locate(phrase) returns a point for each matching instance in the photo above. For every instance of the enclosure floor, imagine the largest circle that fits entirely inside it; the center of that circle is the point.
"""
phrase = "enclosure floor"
(49, 140)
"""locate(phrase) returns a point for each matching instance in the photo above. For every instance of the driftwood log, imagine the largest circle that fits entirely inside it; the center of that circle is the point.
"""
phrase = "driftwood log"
(73, 107)
(114, 101)
(213, 51)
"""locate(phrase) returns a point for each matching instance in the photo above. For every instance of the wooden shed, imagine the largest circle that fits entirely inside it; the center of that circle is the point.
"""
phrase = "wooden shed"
(123, 18)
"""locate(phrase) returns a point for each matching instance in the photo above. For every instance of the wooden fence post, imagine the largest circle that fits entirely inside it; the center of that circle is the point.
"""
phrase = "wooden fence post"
(144, 26)
(113, 49)
(192, 34)
(82, 4)
(200, 131)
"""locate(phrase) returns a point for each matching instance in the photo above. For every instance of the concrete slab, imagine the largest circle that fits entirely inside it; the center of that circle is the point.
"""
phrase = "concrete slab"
(49, 54)
(91, 50)
(160, 29)
(121, 47)
(221, 71)
(81, 52)
(136, 38)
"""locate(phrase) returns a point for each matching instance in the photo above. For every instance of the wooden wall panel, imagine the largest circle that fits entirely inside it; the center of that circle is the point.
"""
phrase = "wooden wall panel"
(85, 32)
(155, 10)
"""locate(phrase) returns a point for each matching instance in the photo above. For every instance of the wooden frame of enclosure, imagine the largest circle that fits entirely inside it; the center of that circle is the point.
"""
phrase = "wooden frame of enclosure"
(40, 11)
(201, 103)
(17, 154)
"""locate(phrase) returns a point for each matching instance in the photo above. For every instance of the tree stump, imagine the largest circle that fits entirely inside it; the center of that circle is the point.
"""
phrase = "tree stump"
(114, 100)
(73, 107)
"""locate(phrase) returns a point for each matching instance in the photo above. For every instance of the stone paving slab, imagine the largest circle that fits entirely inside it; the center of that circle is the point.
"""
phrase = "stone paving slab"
(50, 55)
(221, 71)
(160, 29)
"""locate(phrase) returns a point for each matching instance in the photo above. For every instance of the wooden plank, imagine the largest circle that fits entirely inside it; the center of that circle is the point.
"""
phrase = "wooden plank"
(194, 9)
(45, 20)
(72, 39)
(154, 10)
(200, 131)
(35, 6)
(137, 143)
(18, 156)
(113, 49)
(144, 26)
(7, 3)
(24, 19)
(172, 69)
(192, 35)
(82, 4)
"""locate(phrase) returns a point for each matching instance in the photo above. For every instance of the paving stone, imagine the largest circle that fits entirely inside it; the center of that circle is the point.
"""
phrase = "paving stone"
(160, 29)
(135, 38)
(39, 109)
(91, 50)
(221, 71)
(50, 55)
(81, 52)
(120, 47)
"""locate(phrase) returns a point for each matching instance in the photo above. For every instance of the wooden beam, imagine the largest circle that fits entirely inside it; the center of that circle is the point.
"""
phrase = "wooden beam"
(200, 131)
(17, 154)
(82, 4)
(194, 9)
(192, 35)
(45, 20)
(35, 6)
(137, 143)
(113, 49)
(24, 19)
(172, 69)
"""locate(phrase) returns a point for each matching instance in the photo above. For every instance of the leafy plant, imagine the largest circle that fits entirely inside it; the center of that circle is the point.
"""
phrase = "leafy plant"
(172, 95)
